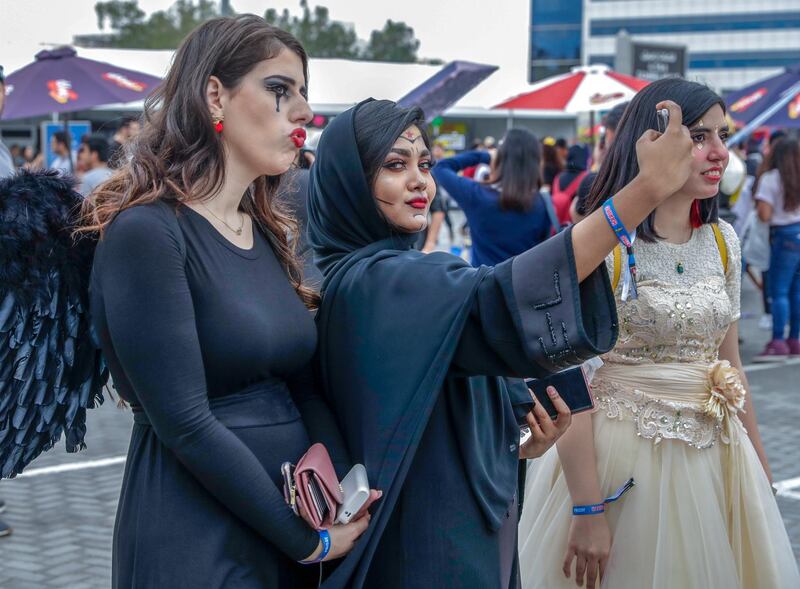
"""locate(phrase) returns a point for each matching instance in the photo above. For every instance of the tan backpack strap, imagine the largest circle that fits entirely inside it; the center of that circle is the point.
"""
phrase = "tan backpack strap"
(617, 267)
(721, 246)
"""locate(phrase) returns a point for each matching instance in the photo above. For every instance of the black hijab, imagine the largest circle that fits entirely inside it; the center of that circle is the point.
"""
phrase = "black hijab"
(389, 325)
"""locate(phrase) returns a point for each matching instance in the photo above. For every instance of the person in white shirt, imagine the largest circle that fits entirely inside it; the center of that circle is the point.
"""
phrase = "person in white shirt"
(778, 203)
(93, 157)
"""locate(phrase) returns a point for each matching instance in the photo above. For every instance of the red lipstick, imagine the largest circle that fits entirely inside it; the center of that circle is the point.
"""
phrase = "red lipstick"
(298, 137)
(418, 202)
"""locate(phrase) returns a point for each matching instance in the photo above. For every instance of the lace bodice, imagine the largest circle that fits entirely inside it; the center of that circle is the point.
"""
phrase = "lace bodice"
(679, 317)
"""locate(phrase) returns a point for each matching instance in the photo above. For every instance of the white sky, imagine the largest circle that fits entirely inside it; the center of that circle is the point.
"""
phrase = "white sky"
(475, 30)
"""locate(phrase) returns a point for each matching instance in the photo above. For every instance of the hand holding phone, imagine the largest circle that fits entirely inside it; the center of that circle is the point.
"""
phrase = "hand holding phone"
(542, 432)
(665, 158)
(571, 386)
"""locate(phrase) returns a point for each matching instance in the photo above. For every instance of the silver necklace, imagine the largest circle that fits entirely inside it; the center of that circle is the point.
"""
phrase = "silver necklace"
(236, 231)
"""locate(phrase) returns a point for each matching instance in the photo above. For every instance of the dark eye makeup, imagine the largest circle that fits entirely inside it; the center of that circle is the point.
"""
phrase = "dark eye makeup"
(281, 86)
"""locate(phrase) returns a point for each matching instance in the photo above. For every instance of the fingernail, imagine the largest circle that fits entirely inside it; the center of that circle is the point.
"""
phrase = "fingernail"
(551, 391)
(380, 494)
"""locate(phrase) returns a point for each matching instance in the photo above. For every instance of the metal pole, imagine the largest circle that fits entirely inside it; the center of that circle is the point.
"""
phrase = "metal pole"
(69, 142)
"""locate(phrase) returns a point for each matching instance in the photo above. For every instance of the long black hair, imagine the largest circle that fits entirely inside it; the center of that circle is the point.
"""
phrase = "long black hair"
(518, 163)
(621, 166)
(378, 124)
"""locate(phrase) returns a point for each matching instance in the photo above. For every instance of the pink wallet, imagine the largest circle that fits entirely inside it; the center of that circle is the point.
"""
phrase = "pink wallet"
(315, 487)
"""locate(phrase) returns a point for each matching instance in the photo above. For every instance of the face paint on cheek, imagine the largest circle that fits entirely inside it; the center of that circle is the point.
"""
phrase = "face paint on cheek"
(278, 102)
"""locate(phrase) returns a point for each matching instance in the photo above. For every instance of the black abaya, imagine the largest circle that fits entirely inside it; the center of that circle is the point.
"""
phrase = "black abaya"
(412, 352)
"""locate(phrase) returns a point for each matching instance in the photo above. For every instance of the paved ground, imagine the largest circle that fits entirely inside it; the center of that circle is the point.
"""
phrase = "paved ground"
(63, 518)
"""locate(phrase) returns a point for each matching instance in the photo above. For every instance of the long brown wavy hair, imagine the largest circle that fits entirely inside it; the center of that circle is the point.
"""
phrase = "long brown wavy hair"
(179, 157)
(785, 157)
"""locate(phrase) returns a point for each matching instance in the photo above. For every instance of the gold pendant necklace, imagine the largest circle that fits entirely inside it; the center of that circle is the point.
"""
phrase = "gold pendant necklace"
(236, 231)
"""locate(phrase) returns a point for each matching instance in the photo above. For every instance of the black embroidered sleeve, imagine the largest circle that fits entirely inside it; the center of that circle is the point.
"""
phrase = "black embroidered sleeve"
(531, 317)
(560, 322)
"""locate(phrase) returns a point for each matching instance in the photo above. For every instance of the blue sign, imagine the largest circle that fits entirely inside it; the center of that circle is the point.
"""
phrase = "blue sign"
(76, 130)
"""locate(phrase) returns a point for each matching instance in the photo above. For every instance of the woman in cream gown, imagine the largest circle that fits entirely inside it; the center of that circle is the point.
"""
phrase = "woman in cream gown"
(671, 410)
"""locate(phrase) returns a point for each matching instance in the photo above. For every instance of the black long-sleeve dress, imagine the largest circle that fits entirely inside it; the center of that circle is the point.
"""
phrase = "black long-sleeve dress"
(211, 346)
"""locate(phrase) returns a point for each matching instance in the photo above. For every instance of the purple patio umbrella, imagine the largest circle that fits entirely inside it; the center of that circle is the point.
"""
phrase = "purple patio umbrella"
(60, 81)
(747, 104)
(446, 87)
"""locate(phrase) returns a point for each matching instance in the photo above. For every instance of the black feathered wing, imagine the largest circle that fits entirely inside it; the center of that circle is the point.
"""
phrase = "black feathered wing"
(51, 370)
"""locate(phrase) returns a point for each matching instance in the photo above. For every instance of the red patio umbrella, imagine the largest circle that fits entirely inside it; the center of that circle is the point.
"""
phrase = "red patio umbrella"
(585, 89)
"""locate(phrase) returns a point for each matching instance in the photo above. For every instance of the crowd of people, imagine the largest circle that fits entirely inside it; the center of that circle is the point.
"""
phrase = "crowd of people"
(90, 165)
(767, 213)
(411, 361)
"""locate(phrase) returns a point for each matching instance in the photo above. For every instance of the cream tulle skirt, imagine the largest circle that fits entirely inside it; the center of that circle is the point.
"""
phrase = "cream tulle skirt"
(696, 519)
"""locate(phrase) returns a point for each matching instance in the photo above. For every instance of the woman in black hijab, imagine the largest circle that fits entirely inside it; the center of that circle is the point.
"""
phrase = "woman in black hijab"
(413, 346)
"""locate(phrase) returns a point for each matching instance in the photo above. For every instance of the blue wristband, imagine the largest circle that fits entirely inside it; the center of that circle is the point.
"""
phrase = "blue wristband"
(613, 220)
(588, 509)
(626, 239)
(325, 538)
(601, 507)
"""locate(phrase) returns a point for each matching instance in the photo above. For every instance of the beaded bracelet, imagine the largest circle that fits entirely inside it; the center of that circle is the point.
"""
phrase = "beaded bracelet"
(325, 538)
(601, 507)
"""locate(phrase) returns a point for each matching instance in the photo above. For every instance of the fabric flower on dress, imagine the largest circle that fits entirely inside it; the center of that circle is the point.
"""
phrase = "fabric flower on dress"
(726, 393)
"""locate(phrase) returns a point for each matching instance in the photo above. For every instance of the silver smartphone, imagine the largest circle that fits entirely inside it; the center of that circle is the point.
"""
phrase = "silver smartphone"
(663, 119)
(355, 488)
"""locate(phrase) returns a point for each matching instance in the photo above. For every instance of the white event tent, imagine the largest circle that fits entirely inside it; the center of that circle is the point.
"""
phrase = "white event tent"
(337, 84)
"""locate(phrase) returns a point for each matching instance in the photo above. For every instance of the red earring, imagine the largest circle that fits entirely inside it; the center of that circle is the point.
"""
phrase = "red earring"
(217, 120)
(694, 216)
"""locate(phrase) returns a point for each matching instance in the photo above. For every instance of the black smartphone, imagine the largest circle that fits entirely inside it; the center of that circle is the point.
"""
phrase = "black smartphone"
(663, 119)
(571, 385)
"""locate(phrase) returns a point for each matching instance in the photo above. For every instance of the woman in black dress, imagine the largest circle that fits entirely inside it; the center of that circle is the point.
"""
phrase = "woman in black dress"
(198, 303)
(413, 346)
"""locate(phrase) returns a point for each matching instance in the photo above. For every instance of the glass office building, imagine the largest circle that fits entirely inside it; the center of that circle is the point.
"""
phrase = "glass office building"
(556, 37)
(729, 45)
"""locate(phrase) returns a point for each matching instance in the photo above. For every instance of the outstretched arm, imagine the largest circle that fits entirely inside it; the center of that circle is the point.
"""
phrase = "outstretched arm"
(463, 190)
